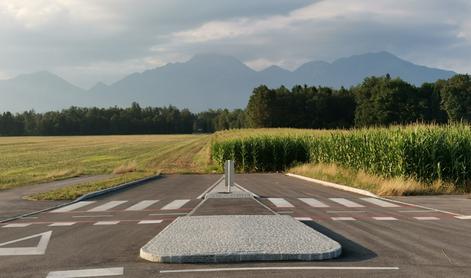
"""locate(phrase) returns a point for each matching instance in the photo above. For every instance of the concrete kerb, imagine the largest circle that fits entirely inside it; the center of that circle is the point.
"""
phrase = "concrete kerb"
(87, 196)
(335, 185)
(201, 196)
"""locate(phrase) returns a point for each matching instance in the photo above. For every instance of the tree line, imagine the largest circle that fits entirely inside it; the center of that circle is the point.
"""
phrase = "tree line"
(115, 120)
(377, 101)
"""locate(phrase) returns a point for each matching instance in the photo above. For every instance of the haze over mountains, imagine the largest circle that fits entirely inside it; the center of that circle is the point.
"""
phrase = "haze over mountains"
(205, 81)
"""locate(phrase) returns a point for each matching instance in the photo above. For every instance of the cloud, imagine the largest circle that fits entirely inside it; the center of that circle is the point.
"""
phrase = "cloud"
(330, 29)
(87, 41)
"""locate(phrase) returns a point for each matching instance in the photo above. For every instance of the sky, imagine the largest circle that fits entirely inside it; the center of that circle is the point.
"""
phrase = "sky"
(86, 41)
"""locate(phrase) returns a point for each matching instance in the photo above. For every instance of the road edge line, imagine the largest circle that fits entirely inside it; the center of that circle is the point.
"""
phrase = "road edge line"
(366, 193)
(87, 196)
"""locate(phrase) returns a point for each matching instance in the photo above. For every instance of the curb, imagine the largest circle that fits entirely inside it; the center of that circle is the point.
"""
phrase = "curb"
(335, 185)
(367, 193)
(201, 196)
(87, 196)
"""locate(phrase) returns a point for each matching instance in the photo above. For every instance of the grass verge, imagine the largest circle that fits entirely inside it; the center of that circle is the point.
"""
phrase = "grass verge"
(75, 191)
(382, 186)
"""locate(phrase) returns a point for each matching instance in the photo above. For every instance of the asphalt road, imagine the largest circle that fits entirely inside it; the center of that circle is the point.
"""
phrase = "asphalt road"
(104, 236)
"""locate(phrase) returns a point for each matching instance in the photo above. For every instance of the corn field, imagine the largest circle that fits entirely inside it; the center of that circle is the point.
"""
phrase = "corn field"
(423, 152)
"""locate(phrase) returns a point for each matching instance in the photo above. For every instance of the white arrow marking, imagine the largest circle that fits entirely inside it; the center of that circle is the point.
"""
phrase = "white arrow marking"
(93, 272)
(40, 249)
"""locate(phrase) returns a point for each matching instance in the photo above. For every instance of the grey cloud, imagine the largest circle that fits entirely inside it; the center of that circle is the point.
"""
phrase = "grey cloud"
(135, 35)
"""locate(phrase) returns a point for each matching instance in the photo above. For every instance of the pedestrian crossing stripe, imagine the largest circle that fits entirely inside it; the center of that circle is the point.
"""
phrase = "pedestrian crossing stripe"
(380, 203)
(177, 204)
(107, 206)
(343, 218)
(142, 205)
(313, 202)
(280, 203)
(346, 203)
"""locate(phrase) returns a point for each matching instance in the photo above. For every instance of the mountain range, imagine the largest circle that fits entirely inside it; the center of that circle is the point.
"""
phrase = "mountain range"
(205, 81)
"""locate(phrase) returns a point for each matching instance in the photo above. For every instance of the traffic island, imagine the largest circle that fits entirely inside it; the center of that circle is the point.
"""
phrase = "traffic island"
(238, 238)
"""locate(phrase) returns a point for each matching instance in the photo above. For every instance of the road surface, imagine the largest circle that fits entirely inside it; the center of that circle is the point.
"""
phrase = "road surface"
(103, 236)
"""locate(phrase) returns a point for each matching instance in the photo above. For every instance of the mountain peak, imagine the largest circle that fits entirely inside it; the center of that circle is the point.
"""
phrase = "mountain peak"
(274, 68)
(215, 59)
(205, 81)
(98, 86)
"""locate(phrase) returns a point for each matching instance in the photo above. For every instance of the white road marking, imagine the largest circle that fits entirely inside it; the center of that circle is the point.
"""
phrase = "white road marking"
(39, 249)
(280, 202)
(106, 223)
(93, 272)
(175, 204)
(107, 206)
(464, 217)
(417, 211)
(279, 268)
(60, 224)
(142, 205)
(149, 222)
(385, 218)
(343, 218)
(426, 218)
(303, 218)
(168, 213)
(92, 216)
(73, 206)
(313, 202)
(347, 203)
(380, 203)
(346, 211)
(418, 206)
(16, 225)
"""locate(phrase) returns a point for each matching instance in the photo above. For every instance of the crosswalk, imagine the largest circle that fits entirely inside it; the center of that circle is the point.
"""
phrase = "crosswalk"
(124, 205)
(330, 202)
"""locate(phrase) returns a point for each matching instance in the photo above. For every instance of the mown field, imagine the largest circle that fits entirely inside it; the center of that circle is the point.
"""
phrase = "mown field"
(416, 159)
(30, 160)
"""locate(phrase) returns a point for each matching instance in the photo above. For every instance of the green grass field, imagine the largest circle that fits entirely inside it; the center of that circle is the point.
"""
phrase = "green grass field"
(416, 159)
(30, 160)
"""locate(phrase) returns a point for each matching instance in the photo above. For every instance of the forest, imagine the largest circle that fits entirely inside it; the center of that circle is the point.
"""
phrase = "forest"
(377, 101)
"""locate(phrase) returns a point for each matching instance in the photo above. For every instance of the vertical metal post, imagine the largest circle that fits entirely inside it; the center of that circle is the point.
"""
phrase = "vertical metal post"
(229, 174)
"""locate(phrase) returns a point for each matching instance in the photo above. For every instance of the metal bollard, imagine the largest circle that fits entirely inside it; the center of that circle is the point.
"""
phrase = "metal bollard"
(229, 174)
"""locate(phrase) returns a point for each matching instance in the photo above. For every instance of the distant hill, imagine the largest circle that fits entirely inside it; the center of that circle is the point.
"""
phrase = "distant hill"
(205, 81)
